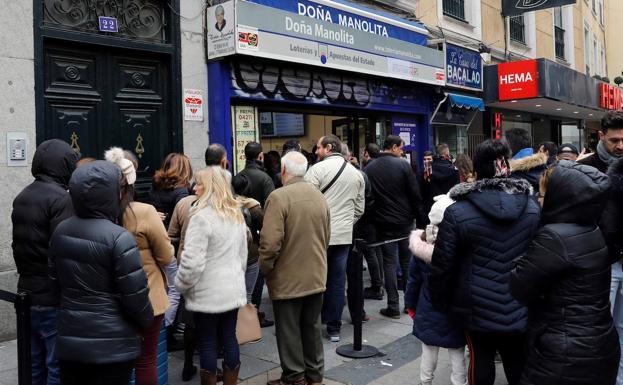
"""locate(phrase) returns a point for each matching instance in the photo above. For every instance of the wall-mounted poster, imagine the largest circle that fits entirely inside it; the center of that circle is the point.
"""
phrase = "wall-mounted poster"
(245, 131)
(221, 30)
(193, 105)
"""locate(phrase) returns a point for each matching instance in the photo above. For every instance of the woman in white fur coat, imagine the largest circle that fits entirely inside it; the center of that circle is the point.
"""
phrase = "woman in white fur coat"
(211, 275)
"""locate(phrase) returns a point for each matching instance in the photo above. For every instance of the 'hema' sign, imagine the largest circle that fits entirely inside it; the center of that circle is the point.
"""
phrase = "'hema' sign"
(517, 7)
(518, 80)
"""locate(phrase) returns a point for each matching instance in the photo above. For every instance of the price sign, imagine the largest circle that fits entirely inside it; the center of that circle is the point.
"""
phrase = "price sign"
(108, 24)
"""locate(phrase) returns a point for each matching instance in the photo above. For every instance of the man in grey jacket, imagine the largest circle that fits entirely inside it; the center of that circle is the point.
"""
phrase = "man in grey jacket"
(344, 188)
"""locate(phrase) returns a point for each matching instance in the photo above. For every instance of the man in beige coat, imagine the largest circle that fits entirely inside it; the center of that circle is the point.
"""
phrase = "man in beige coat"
(293, 258)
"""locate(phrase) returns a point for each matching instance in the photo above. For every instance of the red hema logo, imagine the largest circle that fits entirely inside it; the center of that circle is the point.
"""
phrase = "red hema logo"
(518, 80)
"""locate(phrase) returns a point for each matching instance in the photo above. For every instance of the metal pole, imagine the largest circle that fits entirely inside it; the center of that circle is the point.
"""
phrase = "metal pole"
(357, 349)
(22, 310)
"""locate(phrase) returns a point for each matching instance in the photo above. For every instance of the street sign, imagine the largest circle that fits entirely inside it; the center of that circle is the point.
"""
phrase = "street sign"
(108, 24)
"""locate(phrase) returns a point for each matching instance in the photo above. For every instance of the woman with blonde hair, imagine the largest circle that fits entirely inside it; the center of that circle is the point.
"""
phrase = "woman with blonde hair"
(211, 274)
(172, 182)
(156, 251)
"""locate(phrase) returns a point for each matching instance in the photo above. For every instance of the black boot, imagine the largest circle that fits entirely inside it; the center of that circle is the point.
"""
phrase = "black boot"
(173, 344)
(264, 322)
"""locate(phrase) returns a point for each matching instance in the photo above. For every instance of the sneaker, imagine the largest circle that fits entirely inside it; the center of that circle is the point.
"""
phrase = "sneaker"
(395, 314)
(372, 293)
(334, 338)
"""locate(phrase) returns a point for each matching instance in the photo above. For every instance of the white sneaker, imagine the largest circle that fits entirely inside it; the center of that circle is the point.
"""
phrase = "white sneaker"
(335, 338)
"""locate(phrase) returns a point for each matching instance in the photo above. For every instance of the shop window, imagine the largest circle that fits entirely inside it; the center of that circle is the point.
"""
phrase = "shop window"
(559, 34)
(454, 136)
(518, 29)
(571, 134)
(454, 9)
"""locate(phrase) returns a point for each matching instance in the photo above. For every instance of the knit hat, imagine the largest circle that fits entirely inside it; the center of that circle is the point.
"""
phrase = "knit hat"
(115, 155)
(568, 147)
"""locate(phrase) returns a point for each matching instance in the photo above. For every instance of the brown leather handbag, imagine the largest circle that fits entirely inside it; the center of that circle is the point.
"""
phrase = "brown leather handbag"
(248, 326)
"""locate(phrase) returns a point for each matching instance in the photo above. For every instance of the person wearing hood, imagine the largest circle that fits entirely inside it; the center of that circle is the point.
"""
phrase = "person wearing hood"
(489, 226)
(525, 163)
(145, 224)
(564, 278)
(97, 266)
(442, 177)
(610, 145)
(37, 211)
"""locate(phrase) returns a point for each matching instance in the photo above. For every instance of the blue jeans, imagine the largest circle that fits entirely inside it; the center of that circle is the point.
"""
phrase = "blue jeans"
(215, 328)
(333, 302)
(45, 369)
(616, 303)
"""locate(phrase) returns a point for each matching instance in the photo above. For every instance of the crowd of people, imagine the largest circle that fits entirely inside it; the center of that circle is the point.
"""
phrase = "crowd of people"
(515, 252)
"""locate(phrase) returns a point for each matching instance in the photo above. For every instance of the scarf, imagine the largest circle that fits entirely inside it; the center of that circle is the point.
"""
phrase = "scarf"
(604, 155)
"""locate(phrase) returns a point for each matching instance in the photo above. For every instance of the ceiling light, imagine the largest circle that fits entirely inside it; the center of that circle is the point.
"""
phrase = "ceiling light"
(513, 101)
(538, 105)
(519, 116)
(590, 114)
(558, 109)
(575, 112)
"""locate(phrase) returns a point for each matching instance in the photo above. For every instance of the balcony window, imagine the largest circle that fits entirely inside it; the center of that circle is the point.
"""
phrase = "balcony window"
(454, 9)
(518, 29)
(559, 34)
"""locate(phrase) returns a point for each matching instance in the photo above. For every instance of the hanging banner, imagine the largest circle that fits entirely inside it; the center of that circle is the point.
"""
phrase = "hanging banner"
(193, 105)
(245, 131)
(517, 7)
(221, 31)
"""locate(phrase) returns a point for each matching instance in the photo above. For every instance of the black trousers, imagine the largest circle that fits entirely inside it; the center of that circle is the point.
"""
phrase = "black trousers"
(482, 349)
(78, 373)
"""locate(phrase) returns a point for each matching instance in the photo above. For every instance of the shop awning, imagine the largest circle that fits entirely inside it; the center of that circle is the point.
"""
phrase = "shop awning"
(467, 102)
(469, 105)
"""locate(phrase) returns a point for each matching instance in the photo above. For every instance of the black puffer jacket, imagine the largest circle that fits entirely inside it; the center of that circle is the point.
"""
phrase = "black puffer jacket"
(564, 278)
(612, 219)
(37, 210)
(104, 294)
(490, 225)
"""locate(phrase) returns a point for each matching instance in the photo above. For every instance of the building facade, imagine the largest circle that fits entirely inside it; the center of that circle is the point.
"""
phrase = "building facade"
(146, 76)
(614, 31)
(64, 78)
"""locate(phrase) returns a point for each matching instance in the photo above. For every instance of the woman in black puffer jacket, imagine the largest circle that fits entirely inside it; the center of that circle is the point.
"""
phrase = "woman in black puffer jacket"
(564, 279)
(104, 294)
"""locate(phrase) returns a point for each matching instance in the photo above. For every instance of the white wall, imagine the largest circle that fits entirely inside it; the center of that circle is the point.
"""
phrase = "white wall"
(17, 113)
(195, 76)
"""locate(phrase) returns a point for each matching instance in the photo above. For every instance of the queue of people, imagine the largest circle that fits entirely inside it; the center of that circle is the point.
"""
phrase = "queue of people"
(515, 252)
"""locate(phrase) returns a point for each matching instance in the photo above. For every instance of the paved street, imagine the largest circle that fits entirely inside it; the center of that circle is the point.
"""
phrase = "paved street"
(399, 363)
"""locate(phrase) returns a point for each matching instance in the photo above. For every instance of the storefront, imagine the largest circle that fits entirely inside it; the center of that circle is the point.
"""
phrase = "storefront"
(551, 101)
(301, 70)
(457, 120)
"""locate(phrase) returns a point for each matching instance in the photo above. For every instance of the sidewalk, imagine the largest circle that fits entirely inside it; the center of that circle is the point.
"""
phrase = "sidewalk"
(398, 363)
